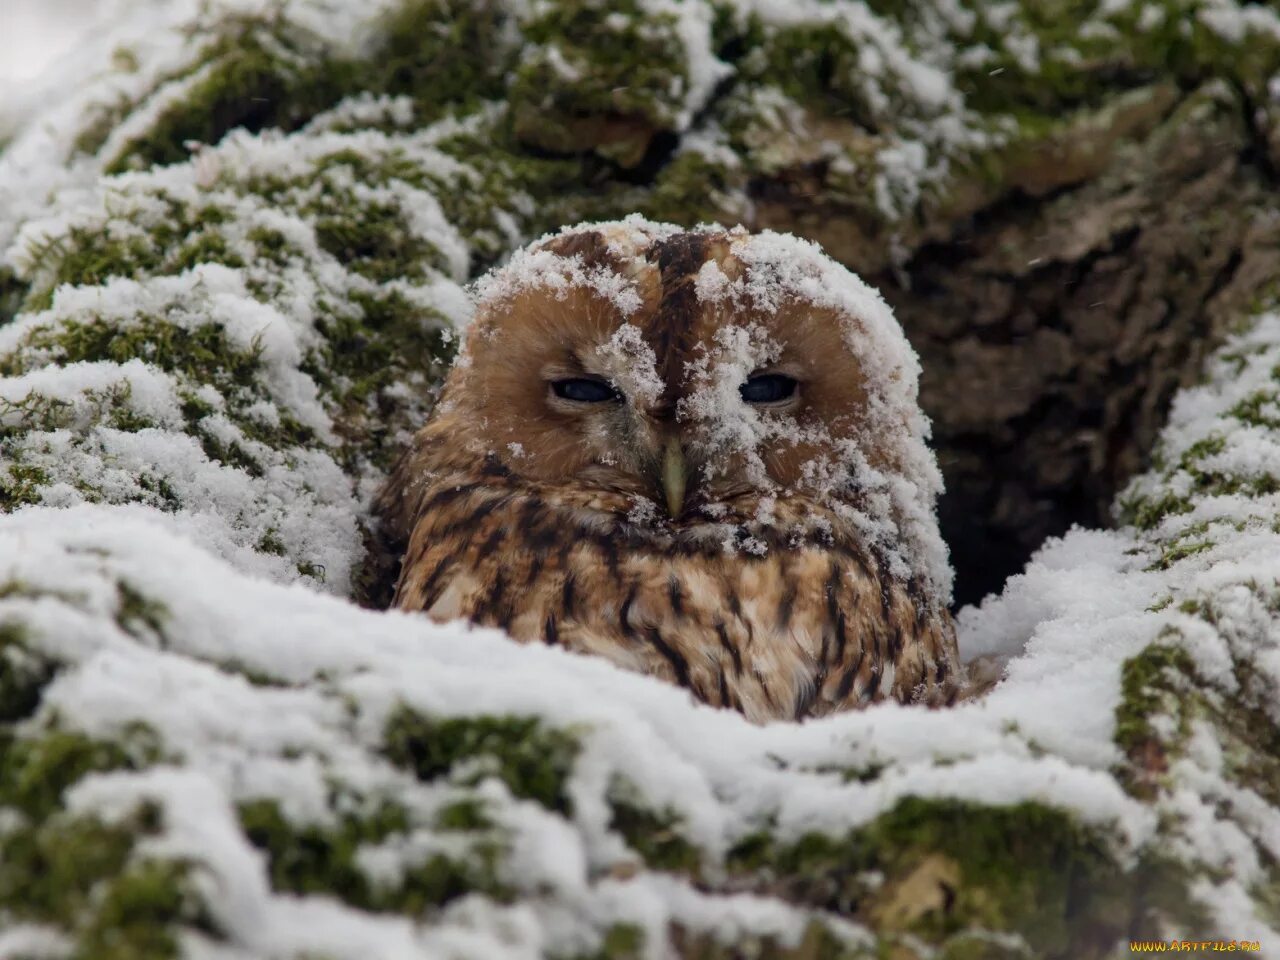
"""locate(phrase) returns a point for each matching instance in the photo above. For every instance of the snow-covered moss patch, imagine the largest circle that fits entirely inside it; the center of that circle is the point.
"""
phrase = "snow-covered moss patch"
(1193, 597)
(249, 337)
(324, 776)
(889, 107)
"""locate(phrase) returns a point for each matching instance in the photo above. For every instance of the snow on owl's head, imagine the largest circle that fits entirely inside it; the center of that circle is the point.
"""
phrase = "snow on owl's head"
(692, 382)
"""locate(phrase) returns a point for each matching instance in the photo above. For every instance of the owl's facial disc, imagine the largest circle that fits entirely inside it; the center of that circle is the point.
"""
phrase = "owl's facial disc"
(717, 387)
(637, 393)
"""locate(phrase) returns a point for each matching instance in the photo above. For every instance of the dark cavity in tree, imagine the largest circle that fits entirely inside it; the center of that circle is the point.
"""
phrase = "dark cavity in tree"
(1057, 308)
(1055, 329)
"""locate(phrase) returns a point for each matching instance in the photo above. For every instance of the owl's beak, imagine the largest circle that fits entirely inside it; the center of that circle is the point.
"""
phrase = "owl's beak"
(674, 477)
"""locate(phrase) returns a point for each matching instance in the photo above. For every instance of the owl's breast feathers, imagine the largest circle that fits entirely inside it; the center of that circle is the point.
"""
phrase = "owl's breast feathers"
(803, 629)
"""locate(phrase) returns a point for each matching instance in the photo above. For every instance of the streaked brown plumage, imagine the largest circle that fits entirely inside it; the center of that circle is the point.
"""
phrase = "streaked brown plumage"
(728, 552)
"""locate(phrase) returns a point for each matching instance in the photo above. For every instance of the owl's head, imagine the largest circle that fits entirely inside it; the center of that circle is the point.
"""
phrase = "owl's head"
(708, 385)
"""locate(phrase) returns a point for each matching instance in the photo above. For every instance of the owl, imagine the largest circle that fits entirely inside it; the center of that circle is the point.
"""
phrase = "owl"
(697, 454)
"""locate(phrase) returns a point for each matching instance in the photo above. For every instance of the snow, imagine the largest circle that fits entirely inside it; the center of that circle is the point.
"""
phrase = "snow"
(290, 740)
(627, 352)
(1235, 22)
(299, 498)
(1045, 733)
(538, 269)
(303, 499)
(693, 27)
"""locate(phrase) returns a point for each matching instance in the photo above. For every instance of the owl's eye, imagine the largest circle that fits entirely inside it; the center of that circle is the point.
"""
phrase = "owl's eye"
(584, 390)
(768, 388)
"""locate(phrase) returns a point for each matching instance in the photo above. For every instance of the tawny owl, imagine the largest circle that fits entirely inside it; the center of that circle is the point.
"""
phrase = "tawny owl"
(697, 454)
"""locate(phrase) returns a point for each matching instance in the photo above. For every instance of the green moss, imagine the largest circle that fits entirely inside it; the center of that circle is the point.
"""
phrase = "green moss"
(76, 874)
(814, 64)
(383, 330)
(449, 55)
(260, 72)
(24, 673)
(271, 543)
(194, 408)
(1004, 85)
(1074, 68)
(98, 124)
(1152, 684)
(1266, 897)
(817, 869)
(466, 814)
(374, 239)
(205, 248)
(373, 341)
(137, 914)
(691, 190)
(1208, 447)
(1179, 550)
(253, 74)
(597, 76)
(113, 408)
(20, 485)
(532, 760)
(940, 868)
(313, 859)
(654, 835)
(622, 942)
(34, 412)
(288, 432)
(1147, 511)
(1258, 410)
(270, 245)
(441, 879)
(1215, 484)
(202, 353)
(313, 570)
(492, 195)
(379, 341)
(1251, 747)
(1162, 694)
(73, 872)
(533, 192)
(818, 942)
(139, 614)
(51, 872)
(185, 235)
(36, 771)
(232, 453)
(162, 493)
(1164, 682)
(377, 243)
